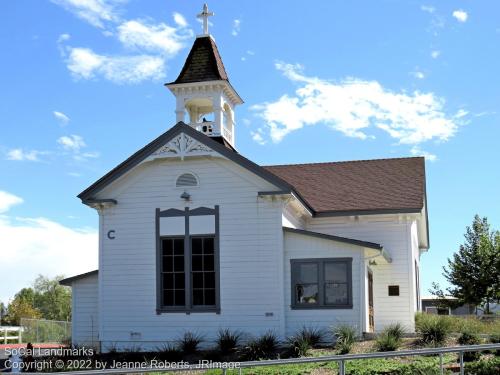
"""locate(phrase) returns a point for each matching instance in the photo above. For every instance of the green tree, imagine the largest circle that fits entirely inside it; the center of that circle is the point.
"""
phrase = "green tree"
(52, 299)
(22, 306)
(473, 271)
(3, 312)
(47, 300)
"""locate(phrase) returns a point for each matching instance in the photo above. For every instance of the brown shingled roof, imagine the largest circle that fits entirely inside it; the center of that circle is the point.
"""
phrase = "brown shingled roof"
(203, 63)
(365, 185)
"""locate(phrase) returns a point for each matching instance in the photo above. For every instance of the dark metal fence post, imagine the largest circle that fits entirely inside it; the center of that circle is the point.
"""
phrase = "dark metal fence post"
(441, 363)
(462, 363)
(341, 367)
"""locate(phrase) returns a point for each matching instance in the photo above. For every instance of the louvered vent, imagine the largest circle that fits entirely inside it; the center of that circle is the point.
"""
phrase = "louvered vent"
(186, 179)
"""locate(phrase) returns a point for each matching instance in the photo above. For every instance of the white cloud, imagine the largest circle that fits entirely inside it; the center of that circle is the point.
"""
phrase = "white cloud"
(417, 151)
(355, 107)
(138, 34)
(159, 41)
(63, 38)
(85, 63)
(257, 136)
(180, 20)
(7, 200)
(236, 27)
(42, 246)
(435, 54)
(428, 8)
(72, 143)
(95, 12)
(418, 74)
(460, 15)
(19, 154)
(63, 119)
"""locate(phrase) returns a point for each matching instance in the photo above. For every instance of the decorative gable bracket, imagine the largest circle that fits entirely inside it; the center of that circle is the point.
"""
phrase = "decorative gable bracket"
(182, 146)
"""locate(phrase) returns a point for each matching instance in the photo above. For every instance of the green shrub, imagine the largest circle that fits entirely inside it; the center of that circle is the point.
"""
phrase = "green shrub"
(227, 341)
(469, 338)
(390, 338)
(396, 330)
(345, 336)
(392, 367)
(189, 343)
(495, 339)
(484, 367)
(263, 347)
(433, 329)
(313, 336)
(170, 353)
(298, 346)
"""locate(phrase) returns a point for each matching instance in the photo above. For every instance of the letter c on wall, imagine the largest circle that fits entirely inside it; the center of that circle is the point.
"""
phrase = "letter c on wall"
(111, 234)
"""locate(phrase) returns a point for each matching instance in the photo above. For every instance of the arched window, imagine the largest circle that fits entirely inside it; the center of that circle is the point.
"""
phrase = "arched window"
(186, 180)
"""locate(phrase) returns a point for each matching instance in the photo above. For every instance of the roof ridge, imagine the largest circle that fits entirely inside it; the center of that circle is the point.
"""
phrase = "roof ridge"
(344, 161)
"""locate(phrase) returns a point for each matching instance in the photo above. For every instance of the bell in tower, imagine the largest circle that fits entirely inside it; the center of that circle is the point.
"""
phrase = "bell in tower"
(202, 89)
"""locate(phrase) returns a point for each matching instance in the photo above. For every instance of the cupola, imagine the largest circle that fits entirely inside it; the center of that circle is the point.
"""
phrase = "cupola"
(202, 89)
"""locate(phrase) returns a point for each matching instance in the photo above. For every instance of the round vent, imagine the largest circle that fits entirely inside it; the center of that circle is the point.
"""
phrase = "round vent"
(186, 179)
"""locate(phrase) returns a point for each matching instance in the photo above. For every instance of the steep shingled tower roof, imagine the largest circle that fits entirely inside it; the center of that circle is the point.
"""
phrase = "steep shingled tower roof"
(203, 63)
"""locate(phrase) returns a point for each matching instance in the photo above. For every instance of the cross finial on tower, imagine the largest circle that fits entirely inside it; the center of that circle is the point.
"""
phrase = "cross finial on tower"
(204, 16)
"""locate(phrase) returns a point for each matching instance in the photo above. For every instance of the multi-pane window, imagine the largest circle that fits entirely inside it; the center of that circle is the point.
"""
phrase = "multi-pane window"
(200, 264)
(173, 274)
(321, 283)
(203, 271)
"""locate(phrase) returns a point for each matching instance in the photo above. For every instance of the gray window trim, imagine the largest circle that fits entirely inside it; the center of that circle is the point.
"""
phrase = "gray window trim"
(187, 213)
(321, 283)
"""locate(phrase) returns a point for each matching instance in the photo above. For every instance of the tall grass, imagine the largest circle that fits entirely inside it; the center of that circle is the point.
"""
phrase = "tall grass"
(433, 329)
(227, 340)
(345, 336)
(263, 347)
(189, 342)
(390, 338)
(471, 323)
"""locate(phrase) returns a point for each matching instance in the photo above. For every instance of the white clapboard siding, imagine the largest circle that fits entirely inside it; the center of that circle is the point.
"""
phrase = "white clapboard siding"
(251, 243)
(395, 236)
(85, 317)
(299, 246)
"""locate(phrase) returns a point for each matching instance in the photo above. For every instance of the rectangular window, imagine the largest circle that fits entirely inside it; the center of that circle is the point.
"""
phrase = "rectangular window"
(322, 283)
(393, 290)
(201, 271)
(187, 260)
(173, 275)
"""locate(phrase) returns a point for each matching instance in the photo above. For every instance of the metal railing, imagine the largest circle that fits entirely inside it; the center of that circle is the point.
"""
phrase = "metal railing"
(340, 359)
(45, 331)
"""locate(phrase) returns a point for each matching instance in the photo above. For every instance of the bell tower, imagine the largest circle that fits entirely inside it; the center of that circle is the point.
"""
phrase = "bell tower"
(202, 90)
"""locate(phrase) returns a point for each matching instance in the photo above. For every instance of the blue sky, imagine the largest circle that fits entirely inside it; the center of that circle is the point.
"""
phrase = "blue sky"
(82, 89)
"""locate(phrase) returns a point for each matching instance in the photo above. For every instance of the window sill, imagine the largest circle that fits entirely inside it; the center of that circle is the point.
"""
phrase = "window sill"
(187, 311)
(316, 307)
